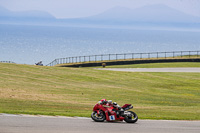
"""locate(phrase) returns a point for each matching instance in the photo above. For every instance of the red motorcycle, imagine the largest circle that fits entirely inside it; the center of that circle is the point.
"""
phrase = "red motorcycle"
(110, 112)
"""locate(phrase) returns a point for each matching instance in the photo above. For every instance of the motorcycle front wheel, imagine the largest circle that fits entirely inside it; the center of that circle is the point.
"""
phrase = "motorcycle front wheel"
(98, 117)
(131, 119)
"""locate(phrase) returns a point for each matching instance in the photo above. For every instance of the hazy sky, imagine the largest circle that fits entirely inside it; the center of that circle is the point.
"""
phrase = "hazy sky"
(83, 8)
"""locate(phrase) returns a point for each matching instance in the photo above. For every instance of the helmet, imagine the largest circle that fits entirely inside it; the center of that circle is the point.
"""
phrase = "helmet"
(103, 101)
(110, 101)
(115, 104)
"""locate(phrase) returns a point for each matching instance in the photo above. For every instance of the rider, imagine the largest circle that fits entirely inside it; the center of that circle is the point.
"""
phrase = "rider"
(116, 105)
(109, 103)
(104, 103)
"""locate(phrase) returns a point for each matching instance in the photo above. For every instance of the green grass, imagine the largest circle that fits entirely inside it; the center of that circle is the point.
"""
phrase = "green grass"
(158, 65)
(26, 89)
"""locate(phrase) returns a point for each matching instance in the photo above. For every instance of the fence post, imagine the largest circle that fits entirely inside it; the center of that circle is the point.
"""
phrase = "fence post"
(173, 54)
(116, 56)
(109, 57)
(189, 54)
(58, 62)
(55, 62)
(124, 56)
(140, 55)
(157, 55)
(181, 54)
(197, 53)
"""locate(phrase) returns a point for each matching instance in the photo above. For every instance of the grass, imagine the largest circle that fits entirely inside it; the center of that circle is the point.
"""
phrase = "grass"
(26, 89)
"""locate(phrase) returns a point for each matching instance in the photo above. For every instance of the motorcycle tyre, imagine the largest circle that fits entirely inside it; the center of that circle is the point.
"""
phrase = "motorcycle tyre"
(98, 120)
(128, 120)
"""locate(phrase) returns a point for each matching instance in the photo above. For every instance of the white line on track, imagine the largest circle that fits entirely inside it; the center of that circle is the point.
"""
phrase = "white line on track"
(45, 116)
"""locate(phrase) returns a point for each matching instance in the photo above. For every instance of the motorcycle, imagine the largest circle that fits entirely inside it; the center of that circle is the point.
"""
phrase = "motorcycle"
(102, 112)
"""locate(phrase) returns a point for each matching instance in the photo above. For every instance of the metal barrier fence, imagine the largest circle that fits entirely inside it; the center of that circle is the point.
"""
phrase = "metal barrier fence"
(125, 56)
(7, 62)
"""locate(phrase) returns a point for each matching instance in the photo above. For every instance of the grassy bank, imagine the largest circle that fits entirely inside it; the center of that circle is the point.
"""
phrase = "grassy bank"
(44, 90)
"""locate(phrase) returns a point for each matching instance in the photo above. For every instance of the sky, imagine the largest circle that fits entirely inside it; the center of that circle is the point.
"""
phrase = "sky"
(85, 8)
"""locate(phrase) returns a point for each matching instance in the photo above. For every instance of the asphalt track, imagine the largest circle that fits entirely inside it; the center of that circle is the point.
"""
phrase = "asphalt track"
(44, 124)
(194, 69)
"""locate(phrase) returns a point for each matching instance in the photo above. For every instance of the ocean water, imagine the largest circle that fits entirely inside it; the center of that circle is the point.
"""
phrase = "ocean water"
(30, 44)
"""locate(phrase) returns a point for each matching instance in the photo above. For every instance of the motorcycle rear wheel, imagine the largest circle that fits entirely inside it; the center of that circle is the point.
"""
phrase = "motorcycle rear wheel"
(98, 118)
(132, 119)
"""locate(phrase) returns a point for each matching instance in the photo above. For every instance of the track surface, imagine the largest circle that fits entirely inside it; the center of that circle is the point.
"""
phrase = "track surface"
(153, 69)
(38, 124)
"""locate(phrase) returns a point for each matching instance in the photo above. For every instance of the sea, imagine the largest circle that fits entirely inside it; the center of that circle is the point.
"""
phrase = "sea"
(26, 44)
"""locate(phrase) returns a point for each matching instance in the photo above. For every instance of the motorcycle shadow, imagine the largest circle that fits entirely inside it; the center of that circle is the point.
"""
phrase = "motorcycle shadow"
(113, 122)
